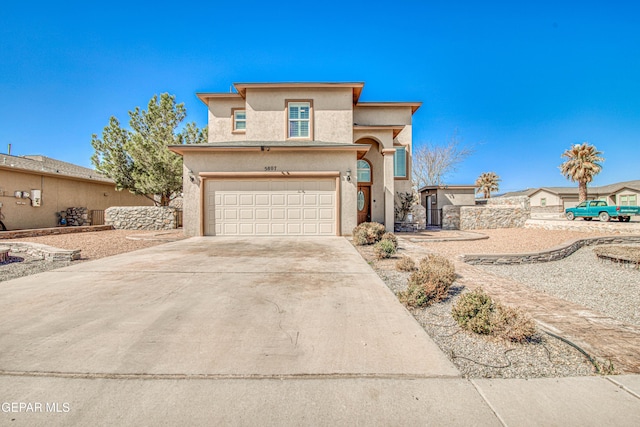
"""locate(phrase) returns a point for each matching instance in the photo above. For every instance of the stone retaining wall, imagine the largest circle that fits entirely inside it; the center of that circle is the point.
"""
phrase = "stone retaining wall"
(553, 254)
(47, 253)
(141, 217)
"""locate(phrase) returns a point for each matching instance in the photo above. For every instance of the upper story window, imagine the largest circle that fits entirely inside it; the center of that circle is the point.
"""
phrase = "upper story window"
(364, 172)
(239, 120)
(299, 123)
(400, 162)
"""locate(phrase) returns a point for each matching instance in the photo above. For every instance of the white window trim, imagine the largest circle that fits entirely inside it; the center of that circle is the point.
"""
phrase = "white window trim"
(306, 102)
(234, 111)
(406, 162)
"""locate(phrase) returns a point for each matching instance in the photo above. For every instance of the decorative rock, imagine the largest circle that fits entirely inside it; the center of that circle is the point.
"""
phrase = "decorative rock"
(77, 217)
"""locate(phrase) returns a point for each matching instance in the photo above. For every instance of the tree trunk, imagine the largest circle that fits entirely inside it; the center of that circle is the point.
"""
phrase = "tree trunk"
(582, 191)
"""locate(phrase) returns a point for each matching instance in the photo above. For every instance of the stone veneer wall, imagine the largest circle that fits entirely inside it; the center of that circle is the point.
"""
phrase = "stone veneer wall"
(141, 217)
(502, 212)
(77, 217)
(451, 217)
(547, 209)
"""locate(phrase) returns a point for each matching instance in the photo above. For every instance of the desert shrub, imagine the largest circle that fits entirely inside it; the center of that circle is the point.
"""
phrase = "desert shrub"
(384, 249)
(430, 283)
(405, 263)
(368, 233)
(477, 312)
(512, 324)
(472, 311)
(360, 236)
(438, 268)
(392, 238)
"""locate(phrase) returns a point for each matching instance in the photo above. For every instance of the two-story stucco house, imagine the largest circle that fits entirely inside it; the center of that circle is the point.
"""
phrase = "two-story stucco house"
(296, 159)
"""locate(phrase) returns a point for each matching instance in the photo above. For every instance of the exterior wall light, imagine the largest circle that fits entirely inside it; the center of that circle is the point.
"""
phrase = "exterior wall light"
(349, 175)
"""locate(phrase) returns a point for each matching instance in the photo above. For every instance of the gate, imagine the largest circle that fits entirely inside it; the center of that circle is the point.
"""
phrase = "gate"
(434, 217)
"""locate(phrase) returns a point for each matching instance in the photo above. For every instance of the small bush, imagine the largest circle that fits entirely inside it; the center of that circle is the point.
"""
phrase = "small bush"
(476, 312)
(384, 249)
(430, 283)
(406, 264)
(472, 311)
(392, 238)
(512, 324)
(438, 268)
(368, 233)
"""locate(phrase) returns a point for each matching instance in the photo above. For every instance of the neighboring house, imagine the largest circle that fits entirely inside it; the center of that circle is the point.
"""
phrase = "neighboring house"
(557, 199)
(296, 159)
(47, 186)
(434, 197)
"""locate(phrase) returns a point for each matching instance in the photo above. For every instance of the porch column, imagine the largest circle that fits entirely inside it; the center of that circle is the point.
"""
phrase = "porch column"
(389, 190)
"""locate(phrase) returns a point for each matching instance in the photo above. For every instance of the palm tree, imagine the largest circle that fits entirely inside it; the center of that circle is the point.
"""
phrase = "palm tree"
(487, 182)
(581, 166)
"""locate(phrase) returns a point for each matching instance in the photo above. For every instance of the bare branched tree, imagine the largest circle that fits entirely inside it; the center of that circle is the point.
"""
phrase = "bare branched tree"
(432, 163)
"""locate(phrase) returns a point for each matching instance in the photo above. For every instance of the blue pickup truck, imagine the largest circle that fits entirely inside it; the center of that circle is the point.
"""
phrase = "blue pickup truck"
(599, 209)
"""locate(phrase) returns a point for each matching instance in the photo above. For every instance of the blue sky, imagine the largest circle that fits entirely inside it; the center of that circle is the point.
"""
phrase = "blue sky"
(521, 81)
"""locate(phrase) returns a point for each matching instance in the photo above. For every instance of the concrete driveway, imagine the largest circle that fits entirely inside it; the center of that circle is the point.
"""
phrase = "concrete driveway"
(215, 307)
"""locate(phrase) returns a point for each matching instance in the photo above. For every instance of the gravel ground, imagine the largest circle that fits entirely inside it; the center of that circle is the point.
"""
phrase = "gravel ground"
(478, 356)
(509, 240)
(20, 266)
(93, 245)
(603, 286)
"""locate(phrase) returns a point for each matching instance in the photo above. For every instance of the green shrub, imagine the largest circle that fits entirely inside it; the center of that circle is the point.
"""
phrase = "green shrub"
(405, 263)
(384, 249)
(476, 312)
(414, 296)
(392, 238)
(368, 233)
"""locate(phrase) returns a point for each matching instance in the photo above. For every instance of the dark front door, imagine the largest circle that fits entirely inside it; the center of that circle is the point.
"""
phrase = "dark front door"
(364, 204)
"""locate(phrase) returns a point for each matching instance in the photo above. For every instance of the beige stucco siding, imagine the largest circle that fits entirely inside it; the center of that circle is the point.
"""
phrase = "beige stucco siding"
(551, 199)
(332, 113)
(58, 194)
(237, 162)
(382, 115)
(221, 119)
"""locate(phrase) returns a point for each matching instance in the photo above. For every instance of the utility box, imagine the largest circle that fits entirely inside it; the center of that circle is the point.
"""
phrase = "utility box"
(36, 198)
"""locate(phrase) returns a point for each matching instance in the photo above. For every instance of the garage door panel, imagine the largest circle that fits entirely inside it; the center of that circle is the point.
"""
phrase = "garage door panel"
(325, 199)
(262, 213)
(246, 214)
(246, 228)
(294, 214)
(309, 213)
(278, 199)
(262, 199)
(325, 214)
(294, 199)
(270, 207)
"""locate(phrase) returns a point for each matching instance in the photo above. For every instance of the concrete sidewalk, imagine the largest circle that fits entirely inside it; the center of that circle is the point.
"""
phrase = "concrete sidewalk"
(323, 401)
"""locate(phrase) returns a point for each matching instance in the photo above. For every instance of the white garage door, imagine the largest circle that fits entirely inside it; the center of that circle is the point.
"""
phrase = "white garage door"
(285, 206)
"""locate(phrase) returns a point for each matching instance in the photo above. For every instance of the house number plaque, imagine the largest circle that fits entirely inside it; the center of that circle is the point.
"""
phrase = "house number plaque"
(270, 168)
